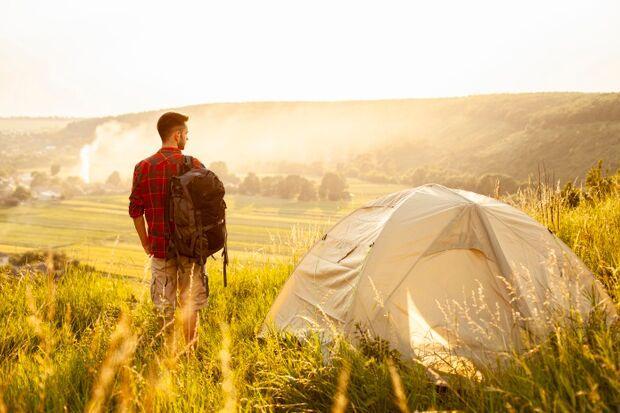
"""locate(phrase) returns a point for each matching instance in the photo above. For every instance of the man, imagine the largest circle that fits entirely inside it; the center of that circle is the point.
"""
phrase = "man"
(149, 197)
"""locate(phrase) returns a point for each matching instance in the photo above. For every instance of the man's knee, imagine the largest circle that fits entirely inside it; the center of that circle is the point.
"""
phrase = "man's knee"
(163, 283)
(193, 286)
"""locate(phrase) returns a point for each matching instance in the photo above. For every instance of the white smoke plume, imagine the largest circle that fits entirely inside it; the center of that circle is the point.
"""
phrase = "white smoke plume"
(246, 135)
(116, 147)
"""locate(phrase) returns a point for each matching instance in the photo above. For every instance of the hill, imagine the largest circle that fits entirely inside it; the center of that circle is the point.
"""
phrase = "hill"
(514, 135)
(511, 134)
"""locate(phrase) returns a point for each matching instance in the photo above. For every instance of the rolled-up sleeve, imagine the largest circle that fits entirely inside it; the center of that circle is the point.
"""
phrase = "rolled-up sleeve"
(136, 200)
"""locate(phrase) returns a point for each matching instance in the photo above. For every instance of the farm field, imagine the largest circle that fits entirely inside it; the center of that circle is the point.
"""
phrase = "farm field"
(97, 230)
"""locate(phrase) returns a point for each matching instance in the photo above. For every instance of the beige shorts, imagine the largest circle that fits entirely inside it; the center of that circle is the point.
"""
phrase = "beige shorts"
(178, 283)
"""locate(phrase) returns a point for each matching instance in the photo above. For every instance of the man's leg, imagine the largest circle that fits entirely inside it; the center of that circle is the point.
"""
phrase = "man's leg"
(167, 326)
(163, 294)
(193, 294)
(190, 328)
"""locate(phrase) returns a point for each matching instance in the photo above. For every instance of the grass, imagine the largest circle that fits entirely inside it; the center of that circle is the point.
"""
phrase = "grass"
(89, 340)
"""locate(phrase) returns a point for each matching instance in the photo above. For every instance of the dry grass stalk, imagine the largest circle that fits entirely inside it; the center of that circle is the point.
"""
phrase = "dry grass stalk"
(228, 385)
(341, 400)
(120, 351)
(127, 393)
(3, 408)
(399, 391)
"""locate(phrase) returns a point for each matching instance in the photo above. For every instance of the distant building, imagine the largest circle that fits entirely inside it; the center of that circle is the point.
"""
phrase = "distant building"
(48, 195)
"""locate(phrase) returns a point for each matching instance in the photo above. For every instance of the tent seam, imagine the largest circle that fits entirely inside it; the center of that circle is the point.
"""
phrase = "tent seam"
(363, 267)
(409, 270)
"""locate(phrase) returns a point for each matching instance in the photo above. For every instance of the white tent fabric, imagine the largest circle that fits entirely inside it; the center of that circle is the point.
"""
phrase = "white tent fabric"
(433, 269)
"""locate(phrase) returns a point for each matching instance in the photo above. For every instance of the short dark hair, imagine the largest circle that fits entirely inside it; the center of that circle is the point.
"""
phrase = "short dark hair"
(168, 121)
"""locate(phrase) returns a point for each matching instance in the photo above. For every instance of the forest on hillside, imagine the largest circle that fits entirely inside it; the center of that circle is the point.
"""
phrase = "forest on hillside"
(504, 138)
(492, 138)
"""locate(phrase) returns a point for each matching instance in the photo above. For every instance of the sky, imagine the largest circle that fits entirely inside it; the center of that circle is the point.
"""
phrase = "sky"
(96, 58)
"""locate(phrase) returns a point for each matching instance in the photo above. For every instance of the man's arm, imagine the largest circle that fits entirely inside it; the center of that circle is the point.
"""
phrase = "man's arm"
(140, 226)
(136, 209)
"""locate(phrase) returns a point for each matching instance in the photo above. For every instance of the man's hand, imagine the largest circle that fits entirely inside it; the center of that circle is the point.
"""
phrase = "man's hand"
(147, 249)
(140, 225)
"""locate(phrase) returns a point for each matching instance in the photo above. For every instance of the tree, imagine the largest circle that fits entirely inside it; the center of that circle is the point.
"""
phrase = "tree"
(54, 169)
(307, 191)
(219, 167)
(39, 179)
(489, 184)
(9, 202)
(418, 176)
(75, 181)
(114, 179)
(571, 195)
(269, 185)
(71, 187)
(250, 185)
(289, 186)
(221, 170)
(598, 183)
(21, 193)
(333, 187)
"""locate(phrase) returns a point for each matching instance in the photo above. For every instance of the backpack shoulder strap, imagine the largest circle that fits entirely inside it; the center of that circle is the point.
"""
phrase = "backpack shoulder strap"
(187, 164)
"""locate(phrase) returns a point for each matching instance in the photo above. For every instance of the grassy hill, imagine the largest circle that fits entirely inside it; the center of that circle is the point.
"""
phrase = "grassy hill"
(515, 135)
(511, 134)
(89, 341)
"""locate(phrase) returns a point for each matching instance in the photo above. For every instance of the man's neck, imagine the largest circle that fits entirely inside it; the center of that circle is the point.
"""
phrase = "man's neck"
(170, 145)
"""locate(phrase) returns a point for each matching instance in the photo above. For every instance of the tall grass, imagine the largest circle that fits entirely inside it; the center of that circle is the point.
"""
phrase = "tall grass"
(587, 219)
(85, 341)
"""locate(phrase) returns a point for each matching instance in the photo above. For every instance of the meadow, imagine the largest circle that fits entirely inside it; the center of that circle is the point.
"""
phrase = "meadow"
(98, 231)
(88, 340)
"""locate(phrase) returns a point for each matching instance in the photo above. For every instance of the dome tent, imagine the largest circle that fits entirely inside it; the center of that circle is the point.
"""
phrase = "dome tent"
(433, 269)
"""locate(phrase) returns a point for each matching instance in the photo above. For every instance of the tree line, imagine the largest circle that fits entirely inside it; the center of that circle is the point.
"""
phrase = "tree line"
(333, 187)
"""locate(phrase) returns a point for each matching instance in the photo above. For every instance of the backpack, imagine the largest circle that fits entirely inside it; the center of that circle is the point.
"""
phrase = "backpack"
(197, 211)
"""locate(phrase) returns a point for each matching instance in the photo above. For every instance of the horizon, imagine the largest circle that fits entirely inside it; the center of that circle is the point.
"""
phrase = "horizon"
(250, 102)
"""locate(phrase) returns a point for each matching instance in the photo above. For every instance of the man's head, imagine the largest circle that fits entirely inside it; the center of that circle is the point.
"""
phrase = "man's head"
(172, 129)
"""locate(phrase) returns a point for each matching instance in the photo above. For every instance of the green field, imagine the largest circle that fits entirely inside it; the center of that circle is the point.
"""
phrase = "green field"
(89, 340)
(97, 229)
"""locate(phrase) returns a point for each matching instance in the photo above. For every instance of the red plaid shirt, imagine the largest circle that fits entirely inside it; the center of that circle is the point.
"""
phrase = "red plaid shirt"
(148, 193)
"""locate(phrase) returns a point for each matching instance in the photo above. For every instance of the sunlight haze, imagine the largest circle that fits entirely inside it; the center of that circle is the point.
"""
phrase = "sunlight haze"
(71, 58)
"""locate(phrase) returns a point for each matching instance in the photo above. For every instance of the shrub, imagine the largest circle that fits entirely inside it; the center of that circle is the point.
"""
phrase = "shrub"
(250, 185)
(333, 187)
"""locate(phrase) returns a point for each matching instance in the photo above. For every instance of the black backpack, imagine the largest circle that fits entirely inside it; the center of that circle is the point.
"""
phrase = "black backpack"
(197, 209)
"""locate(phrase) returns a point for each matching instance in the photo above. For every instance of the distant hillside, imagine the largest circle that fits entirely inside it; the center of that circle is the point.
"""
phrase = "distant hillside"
(503, 134)
(515, 135)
